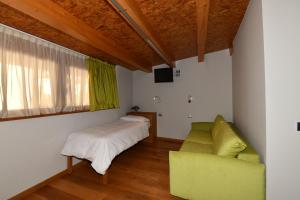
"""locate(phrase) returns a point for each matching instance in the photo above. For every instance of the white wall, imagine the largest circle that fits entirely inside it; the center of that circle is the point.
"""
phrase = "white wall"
(30, 149)
(282, 67)
(278, 36)
(249, 78)
(210, 84)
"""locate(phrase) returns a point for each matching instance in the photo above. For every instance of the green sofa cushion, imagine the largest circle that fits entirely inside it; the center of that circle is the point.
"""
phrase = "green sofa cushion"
(203, 137)
(196, 147)
(227, 142)
(198, 176)
(249, 154)
(217, 125)
(202, 126)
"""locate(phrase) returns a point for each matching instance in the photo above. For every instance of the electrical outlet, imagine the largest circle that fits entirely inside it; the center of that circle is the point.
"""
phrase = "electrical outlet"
(298, 126)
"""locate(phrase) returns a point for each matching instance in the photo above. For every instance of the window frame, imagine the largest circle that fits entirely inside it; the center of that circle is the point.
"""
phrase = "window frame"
(43, 115)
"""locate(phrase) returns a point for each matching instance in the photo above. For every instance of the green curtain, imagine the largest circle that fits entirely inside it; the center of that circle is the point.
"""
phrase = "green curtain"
(102, 85)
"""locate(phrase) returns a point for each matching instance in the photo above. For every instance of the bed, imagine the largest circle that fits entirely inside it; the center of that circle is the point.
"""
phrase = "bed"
(101, 144)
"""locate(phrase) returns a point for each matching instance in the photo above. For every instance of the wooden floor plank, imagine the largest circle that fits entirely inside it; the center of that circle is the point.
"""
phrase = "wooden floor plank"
(51, 193)
(77, 190)
(35, 197)
(141, 172)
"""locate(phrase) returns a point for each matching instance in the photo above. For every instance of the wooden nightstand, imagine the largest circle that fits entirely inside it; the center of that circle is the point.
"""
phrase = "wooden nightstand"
(153, 124)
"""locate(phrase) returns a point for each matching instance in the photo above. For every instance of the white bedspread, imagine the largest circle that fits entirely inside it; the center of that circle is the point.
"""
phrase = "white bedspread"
(101, 144)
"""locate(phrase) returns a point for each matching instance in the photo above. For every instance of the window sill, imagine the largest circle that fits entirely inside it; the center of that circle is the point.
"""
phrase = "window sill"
(39, 116)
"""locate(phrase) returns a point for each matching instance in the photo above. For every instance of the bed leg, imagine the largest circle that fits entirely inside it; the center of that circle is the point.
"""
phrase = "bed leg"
(105, 178)
(70, 165)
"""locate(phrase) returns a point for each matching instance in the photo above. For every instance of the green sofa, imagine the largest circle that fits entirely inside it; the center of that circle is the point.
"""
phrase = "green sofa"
(196, 172)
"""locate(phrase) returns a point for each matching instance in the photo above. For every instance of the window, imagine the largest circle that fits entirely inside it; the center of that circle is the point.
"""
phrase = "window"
(38, 77)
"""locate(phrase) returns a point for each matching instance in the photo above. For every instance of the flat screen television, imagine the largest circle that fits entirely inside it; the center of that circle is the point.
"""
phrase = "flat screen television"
(163, 75)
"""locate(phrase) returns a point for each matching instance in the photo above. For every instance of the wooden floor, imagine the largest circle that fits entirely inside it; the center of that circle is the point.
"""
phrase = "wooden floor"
(142, 172)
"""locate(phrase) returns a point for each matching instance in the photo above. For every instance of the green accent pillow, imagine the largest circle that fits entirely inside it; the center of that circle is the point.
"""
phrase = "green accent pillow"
(227, 142)
(216, 127)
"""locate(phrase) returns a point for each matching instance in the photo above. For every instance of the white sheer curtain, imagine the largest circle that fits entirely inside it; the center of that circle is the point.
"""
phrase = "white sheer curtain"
(38, 77)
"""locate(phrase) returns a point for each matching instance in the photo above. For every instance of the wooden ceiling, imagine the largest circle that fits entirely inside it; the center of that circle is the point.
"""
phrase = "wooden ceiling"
(175, 29)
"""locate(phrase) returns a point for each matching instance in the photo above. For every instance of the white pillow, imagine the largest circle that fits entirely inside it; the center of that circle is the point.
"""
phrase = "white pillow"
(134, 118)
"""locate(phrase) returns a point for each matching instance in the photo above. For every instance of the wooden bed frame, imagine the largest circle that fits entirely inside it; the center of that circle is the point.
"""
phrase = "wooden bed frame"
(70, 170)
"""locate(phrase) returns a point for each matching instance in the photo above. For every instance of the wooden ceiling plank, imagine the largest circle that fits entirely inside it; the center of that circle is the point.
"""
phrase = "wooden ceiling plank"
(131, 12)
(53, 15)
(202, 7)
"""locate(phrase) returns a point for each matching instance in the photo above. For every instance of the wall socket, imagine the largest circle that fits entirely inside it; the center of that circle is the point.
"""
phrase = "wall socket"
(298, 126)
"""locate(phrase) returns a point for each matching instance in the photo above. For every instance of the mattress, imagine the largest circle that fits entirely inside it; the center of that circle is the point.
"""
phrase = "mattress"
(101, 144)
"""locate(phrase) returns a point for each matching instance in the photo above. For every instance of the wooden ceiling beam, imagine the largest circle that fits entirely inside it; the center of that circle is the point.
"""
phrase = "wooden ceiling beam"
(56, 17)
(202, 7)
(131, 12)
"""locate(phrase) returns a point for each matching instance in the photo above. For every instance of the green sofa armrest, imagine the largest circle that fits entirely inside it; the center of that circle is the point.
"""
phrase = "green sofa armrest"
(211, 177)
(202, 126)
